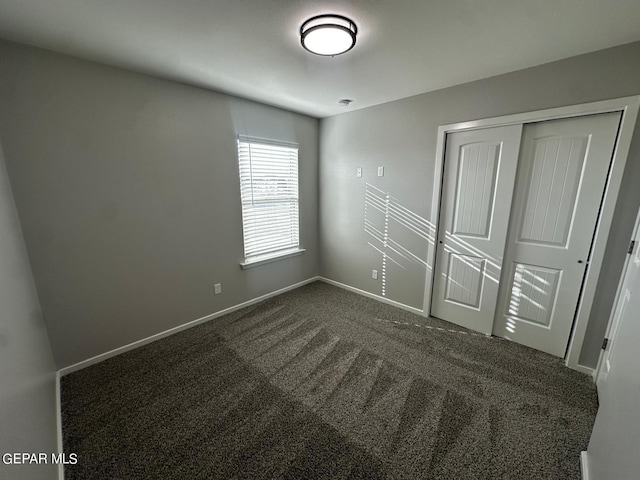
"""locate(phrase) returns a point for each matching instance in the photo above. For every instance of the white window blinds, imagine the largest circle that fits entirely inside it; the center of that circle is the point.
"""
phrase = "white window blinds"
(269, 193)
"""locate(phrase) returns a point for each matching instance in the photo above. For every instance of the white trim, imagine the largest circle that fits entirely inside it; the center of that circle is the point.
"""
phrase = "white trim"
(629, 106)
(604, 106)
(139, 343)
(59, 424)
(584, 465)
(372, 295)
(583, 369)
(266, 141)
(271, 258)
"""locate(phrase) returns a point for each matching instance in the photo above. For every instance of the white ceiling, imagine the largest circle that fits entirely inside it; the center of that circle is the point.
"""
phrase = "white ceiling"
(251, 48)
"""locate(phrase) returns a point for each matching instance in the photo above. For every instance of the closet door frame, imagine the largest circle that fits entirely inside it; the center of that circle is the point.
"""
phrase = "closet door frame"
(629, 107)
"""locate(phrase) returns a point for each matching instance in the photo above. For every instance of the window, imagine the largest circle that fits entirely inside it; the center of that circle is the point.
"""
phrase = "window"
(269, 194)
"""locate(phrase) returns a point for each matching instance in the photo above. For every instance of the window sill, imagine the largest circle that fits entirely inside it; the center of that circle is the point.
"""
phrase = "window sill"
(263, 260)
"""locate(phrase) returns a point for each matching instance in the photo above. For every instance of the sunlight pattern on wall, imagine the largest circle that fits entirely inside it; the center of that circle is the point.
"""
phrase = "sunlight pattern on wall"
(382, 211)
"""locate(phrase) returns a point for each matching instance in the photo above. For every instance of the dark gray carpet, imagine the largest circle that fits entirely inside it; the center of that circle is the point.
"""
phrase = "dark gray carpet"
(320, 383)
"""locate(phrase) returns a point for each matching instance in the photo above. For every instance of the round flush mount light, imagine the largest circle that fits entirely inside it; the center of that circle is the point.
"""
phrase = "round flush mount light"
(328, 35)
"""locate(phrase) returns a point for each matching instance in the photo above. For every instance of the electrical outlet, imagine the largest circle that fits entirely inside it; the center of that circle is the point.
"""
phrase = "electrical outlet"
(217, 288)
(381, 171)
(358, 172)
(374, 274)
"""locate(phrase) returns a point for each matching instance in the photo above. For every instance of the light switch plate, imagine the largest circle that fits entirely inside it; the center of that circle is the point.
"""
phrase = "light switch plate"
(381, 171)
(358, 172)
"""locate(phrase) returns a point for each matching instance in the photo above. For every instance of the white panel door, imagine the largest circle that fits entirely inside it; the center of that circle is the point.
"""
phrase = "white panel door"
(615, 443)
(621, 308)
(479, 176)
(562, 175)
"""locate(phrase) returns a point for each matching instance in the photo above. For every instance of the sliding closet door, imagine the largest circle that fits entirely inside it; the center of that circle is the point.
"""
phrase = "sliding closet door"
(479, 176)
(562, 175)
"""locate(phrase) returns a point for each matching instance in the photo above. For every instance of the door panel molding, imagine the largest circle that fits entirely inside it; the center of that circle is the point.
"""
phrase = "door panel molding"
(531, 303)
(471, 163)
(536, 225)
(629, 107)
(464, 286)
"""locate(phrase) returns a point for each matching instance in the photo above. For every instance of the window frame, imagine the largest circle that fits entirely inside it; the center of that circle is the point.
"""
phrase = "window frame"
(286, 197)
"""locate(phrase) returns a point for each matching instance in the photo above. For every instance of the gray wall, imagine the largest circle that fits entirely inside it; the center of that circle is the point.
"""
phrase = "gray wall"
(127, 189)
(27, 372)
(401, 136)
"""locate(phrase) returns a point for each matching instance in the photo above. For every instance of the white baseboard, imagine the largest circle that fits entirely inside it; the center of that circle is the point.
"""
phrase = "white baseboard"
(372, 295)
(59, 424)
(584, 465)
(139, 343)
(583, 369)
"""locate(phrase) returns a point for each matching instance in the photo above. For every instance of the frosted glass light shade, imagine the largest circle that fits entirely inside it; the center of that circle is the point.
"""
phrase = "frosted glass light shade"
(328, 35)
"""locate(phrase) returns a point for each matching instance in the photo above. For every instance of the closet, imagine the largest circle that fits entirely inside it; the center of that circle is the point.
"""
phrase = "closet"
(519, 207)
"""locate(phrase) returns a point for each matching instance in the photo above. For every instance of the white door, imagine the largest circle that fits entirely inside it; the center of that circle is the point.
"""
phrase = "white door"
(615, 443)
(621, 307)
(562, 175)
(479, 175)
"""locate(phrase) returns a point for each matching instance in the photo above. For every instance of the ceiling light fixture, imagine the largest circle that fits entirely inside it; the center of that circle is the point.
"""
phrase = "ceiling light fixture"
(328, 35)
